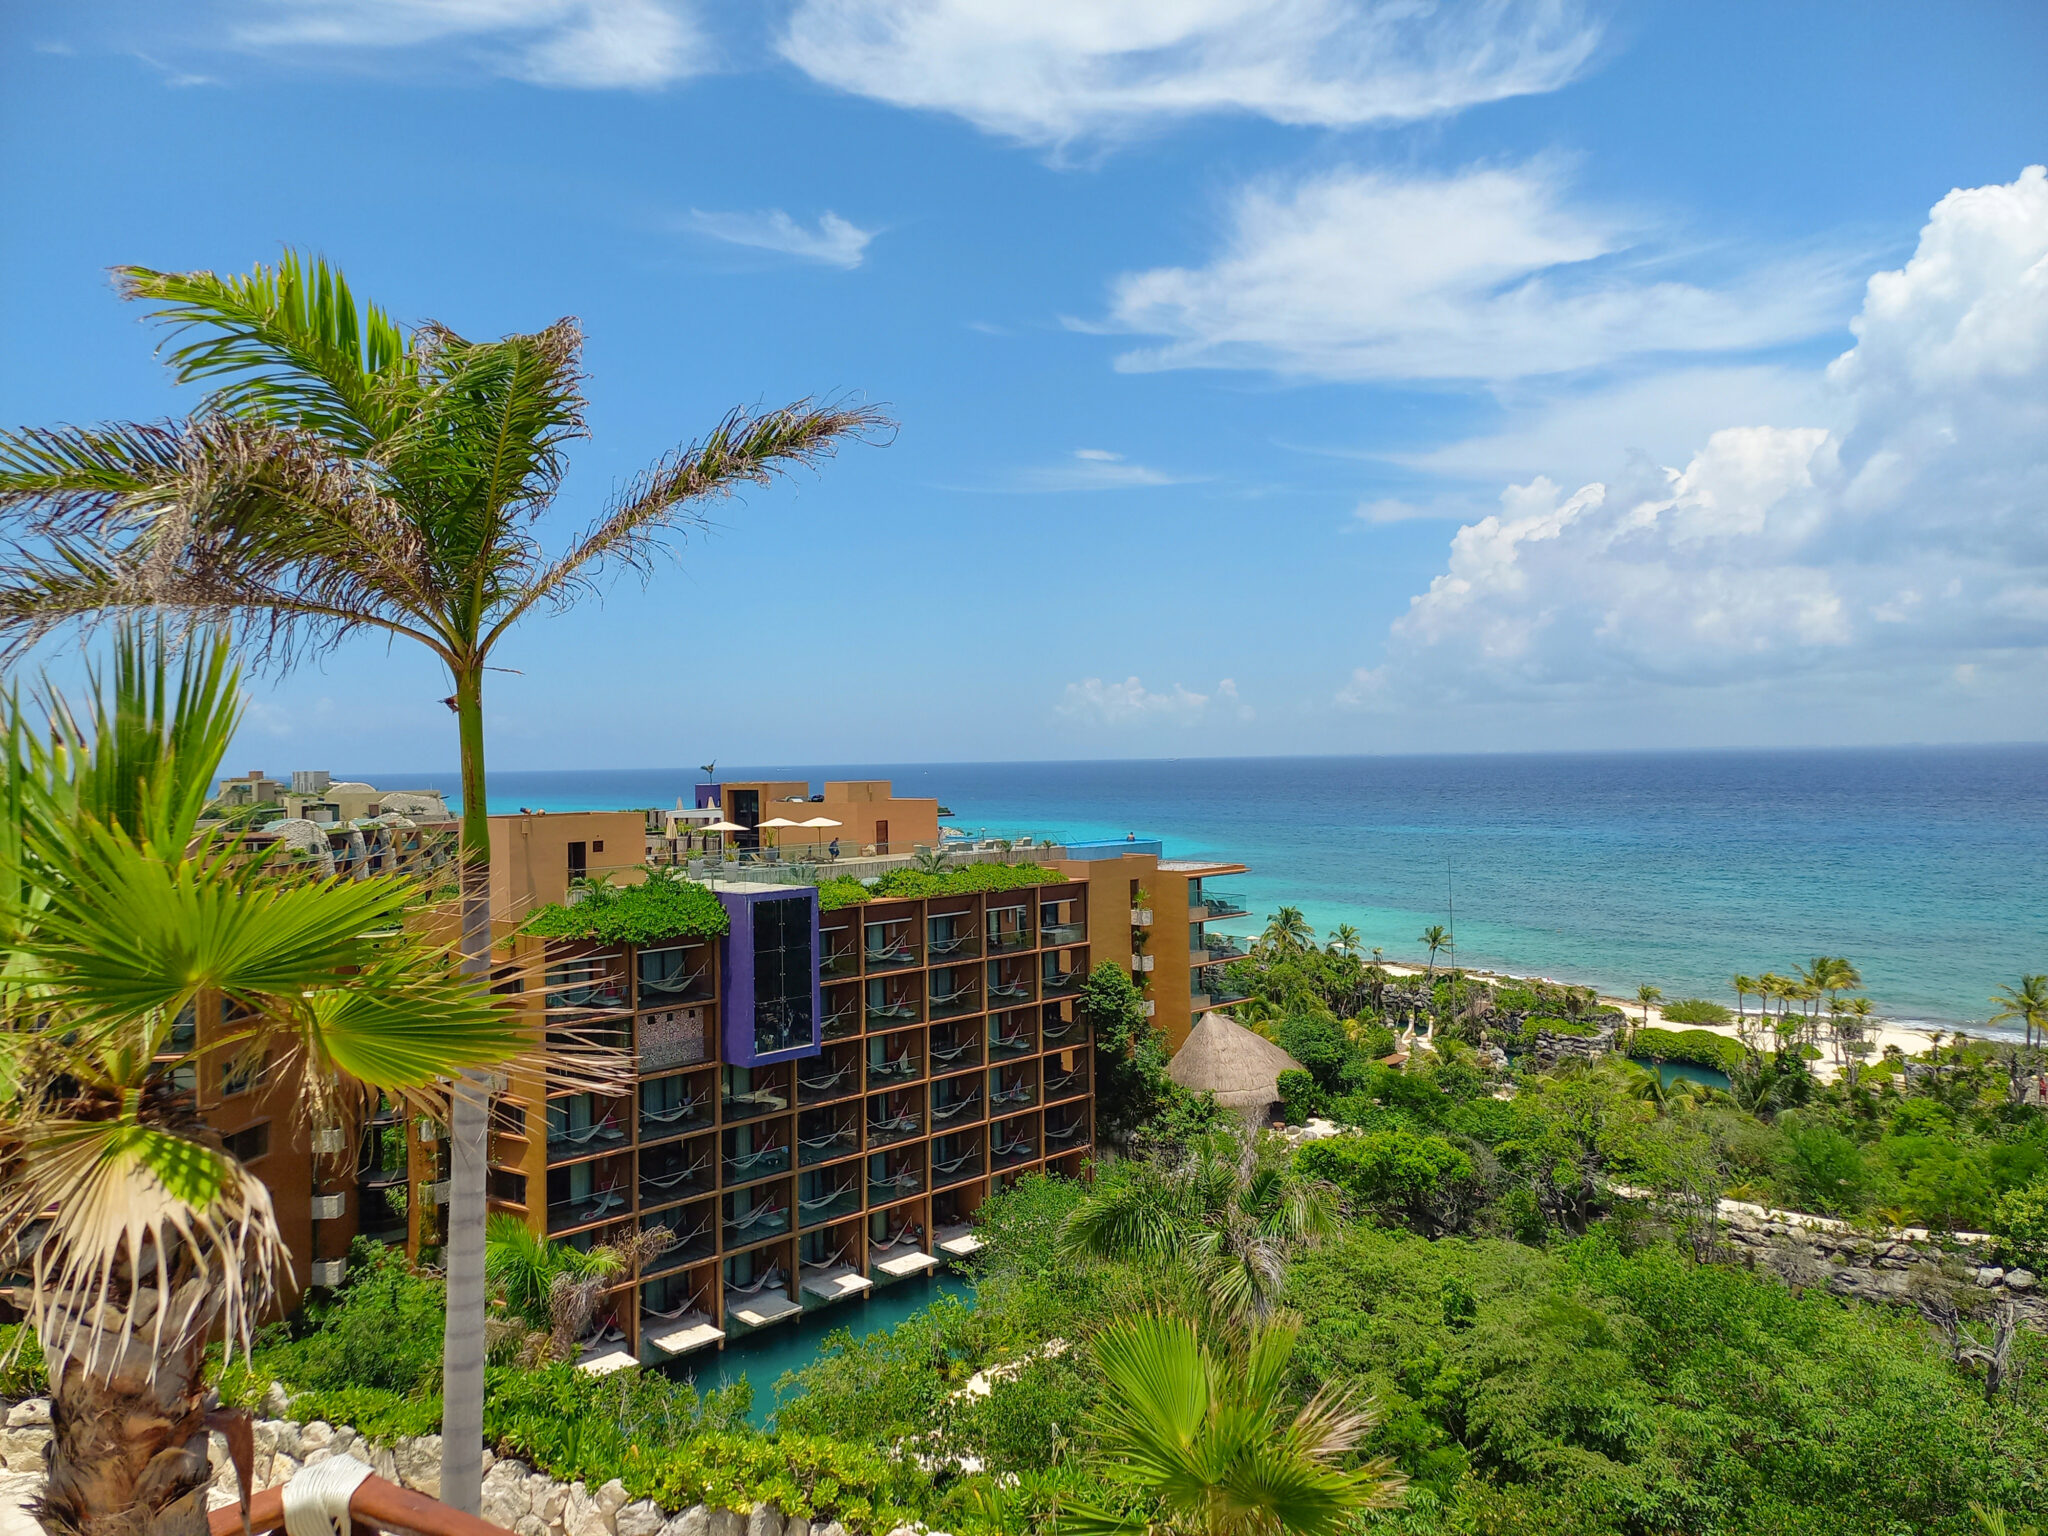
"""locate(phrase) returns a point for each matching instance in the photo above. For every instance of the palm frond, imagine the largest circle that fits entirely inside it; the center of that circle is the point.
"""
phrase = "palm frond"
(290, 343)
(742, 449)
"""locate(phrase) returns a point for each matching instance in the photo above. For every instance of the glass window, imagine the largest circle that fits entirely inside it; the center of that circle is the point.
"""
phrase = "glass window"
(785, 976)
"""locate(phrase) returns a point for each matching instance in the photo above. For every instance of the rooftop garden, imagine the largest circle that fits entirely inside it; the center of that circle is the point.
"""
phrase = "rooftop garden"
(918, 884)
(663, 906)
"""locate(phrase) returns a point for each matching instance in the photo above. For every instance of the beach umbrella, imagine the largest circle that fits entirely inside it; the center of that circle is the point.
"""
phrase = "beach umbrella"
(722, 827)
(778, 823)
(820, 821)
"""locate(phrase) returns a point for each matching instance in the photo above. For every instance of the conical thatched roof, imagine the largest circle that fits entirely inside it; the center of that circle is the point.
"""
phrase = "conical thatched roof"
(1241, 1068)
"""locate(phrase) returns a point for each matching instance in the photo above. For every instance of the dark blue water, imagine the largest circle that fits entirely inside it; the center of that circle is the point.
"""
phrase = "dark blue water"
(1927, 867)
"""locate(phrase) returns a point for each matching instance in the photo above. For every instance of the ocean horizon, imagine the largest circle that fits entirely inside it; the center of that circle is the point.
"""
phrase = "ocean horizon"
(1924, 865)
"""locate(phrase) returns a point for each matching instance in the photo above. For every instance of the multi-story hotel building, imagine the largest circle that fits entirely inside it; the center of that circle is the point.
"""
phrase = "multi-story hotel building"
(820, 1097)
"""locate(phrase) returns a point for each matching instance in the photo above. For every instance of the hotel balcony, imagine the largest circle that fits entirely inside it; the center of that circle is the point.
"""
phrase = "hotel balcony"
(675, 1318)
(677, 1171)
(825, 1134)
(676, 977)
(1214, 989)
(956, 1047)
(833, 1074)
(755, 1215)
(676, 1106)
(592, 982)
(584, 1193)
(1011, 1089)
(955, 991)
(827, 1195)
(1010, 1035)
(1066, 1128)
(956, 1101)
(751, 1152)
(952, 936)
(1219, 949)
(838, 952)
(748, 1093)
(1067, 1083)
(1013, 1143)
(695, 1228)
(893, 1060)
(1009, 929)
(890, 945)
(757, 1289)
(894, 1176)
(1054, 982)
(1213, 906)
(585, 1125)
(895, 1117)
(1062, 921)
(842, 1020)
(893, 1002)
(957, 1158)
(1062, 1027)
(1009, 983)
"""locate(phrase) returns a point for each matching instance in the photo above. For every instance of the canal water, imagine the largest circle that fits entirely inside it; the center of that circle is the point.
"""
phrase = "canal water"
(761, 1358)
(1671, 1071)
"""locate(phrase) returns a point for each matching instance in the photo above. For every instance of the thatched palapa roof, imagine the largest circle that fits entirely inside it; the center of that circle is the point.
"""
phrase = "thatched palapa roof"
(1241, 1068)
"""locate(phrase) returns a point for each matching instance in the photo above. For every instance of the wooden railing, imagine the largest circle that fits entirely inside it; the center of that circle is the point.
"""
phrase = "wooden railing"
(376, 1505)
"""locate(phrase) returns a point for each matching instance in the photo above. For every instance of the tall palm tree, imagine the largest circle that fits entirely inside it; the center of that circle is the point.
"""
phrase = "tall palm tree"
(347, 476)
(1744, 986)
(1646, 995)
(1224, 1216)
(1205, 1442)
(1344, 940)
(1437, 938)
(1288, 932)
(2027, 1002)
(121, 912)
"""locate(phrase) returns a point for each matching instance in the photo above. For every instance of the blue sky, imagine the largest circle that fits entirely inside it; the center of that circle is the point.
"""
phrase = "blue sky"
(1274, 375)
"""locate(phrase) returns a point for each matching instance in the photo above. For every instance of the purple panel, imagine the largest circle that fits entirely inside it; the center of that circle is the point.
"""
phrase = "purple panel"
(737, 967)
(708, 795)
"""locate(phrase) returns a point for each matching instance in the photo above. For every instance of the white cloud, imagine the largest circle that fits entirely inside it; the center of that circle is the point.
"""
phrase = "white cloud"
(586, 44)
(1131, 702)
(1781, 550)
(836, 242)
(1093, 469)
(1049, 71)
(1491, 273)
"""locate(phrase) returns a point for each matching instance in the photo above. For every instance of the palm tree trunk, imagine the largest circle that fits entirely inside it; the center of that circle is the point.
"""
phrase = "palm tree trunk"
(462, 1356)
(128, 1453)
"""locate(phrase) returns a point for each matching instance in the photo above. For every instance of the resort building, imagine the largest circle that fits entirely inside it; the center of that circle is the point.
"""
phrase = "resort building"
(820, 1089)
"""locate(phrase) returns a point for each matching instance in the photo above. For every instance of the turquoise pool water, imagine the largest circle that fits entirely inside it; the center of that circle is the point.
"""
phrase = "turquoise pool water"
(1671, 1071)
(761, 1358)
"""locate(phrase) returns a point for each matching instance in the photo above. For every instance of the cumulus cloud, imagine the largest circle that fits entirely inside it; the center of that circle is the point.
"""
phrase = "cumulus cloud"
(1131, 702)
(1049, 71)
(835, 242)
(1491, 273)
(584, 44)
(1911, 532)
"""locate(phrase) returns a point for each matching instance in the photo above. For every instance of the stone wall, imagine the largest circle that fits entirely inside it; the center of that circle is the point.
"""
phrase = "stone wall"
(516, 1497)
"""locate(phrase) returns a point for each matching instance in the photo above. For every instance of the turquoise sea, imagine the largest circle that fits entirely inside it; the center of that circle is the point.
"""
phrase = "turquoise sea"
(1928, 867)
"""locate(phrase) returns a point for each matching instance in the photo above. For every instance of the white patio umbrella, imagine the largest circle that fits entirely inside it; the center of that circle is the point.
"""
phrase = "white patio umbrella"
(722, 827)
(779, 822)
(817, 822)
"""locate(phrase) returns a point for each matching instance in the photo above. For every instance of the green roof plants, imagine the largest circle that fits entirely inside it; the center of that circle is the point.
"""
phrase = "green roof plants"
(663, 906)
(915, 883)
(842, 891)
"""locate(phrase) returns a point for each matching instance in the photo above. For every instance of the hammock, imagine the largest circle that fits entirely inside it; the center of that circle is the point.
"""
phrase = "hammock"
(761, 1096)
(941, 1000)
(772, 1275)
(673, 986)
(903, 1178)
(892, 1125)
(694, 1233)
(742, 1161)
(836, 1256)
(1011, 1043)
(902, 1066)
(1061, 1085)
(955, 1107)
(826, 1140)
(671, 1115)
(818, 1084)
(604, 1333)
(891, 1240)
(948, 1167)
(1009, 989)
(1021, 1094)
(891, 1011)
(950, 946)
(589, 1133)
(821, 1201)
(1065, 1133)
(955, 1053)
(756, 1216)
(687, 1304)
(1015, 1146)
(899, 949)
(587, 996)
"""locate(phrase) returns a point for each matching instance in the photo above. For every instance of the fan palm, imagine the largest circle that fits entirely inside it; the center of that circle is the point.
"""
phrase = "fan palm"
(1224, 1216)
(347, 476)
(146, 1237)
(1204, 1443)
(2027, 1002)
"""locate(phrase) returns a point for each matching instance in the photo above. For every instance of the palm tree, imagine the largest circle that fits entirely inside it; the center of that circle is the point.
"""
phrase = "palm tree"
(1344, 940)
(1288, 932)
(349, 476)
(554, 1288)
(1224, 1216)
(1646, 995)
(1437, 937)
(1744, 986)
(122, 912)
(1206, 1440)
(2027, 1002)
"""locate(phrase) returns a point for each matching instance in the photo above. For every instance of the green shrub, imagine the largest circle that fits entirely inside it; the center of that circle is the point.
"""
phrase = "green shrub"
(1571, 1028)
(914, 884)
(1301, 1097)
(660, 907)
(842, 891)
(2021, 1221)
(1696, 1010)
(1700, 1047)
(382, 1330)
(1399, 1176)
(21, 1363)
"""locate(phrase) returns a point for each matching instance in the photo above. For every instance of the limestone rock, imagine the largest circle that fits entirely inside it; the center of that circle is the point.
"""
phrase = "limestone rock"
(584, 1516)
(2019, 1280)
(529, 1525)
(694, 1521)
(418, 1460)
(764, 1520)
(344, 1437)
(728, 1522)
(612, 1497)
(505, 1498)
(831, 1528)
(21, 1450)
(555, 1505)
(316, 1436)
(642, 1517)
(281, 1469)
(218, 1497)
(798, 1526)
(30, 1410)
(276, 1401)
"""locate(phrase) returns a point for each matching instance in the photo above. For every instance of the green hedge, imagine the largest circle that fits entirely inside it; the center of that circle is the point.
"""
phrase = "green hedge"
(1700, 1047)
(842, 891)
(914, 884)
(1696, 1010)
(660, 907)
